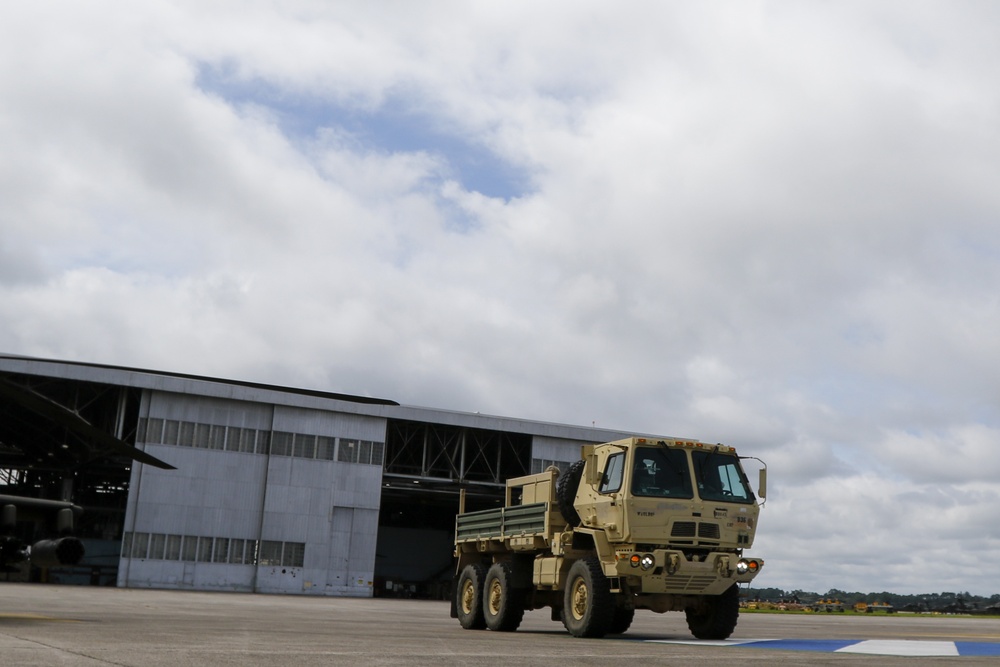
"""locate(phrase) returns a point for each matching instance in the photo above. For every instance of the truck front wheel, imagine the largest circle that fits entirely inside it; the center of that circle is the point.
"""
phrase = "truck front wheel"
(716, 619)
(502, 606)
(588, 607)
(622, 620)
(469, 597)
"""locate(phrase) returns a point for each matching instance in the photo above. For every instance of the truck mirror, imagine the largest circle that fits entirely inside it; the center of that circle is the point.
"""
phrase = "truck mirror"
(762, 483)
(593, 474)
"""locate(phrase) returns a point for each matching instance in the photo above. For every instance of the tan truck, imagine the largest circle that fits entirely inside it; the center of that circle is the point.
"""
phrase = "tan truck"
(639, 523)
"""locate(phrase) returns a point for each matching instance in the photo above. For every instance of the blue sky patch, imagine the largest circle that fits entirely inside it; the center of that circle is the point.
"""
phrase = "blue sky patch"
(393, 127)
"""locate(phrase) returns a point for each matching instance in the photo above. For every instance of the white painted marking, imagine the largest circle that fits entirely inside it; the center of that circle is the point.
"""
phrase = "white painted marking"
(706, 642)
(909, 648)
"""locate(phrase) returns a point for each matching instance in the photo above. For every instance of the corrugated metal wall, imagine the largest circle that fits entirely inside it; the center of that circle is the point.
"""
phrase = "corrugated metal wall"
(265, 498)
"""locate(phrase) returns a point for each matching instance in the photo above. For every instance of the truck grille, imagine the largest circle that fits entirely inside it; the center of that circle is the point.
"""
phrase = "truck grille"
(708, 531)
(683, 529)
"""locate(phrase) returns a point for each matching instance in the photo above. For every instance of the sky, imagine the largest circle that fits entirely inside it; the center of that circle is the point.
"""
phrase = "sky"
(770, 224)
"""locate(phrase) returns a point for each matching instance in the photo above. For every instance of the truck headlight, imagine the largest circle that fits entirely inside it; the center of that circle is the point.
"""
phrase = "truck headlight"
(645, 561)
(744, 566)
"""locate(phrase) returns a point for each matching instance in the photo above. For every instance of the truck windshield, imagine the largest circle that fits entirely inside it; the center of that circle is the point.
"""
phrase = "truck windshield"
(720, 477)
(661, 472)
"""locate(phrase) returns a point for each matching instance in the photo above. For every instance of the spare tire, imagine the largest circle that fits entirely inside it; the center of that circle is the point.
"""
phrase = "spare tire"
(566, 487)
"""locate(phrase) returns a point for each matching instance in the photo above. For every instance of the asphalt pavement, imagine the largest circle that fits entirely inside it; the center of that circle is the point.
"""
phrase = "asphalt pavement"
(83, 626)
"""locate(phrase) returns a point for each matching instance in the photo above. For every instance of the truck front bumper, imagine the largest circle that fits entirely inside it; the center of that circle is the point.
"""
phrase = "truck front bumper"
(670, 571)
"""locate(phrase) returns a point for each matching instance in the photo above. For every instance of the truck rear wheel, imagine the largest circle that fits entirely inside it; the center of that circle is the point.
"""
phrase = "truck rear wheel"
(588, 606)
(503, 608)
(717, 618)
(469, 597)
(566, 487)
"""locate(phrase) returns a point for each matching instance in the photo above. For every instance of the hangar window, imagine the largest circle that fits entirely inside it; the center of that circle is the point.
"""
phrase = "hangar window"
(171, 432)
(360, 451)
(325, 447)
(263, 442)
(189, 549)
(294, 554)
(221, 552)
(157, 542)
(270, 553)
(202, 549)
(247, 440)
(348, 451)
(153, 431)
(252, 441)
(304, 446)
(205, 549)
(186, 436)
(281, 443)
(202, 435)
(233, 437)
(217, 437)
(236, 551)
(173, 551)
(140, 545)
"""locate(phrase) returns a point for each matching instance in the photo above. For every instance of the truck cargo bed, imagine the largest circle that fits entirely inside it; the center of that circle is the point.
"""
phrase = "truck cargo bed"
(502, 522)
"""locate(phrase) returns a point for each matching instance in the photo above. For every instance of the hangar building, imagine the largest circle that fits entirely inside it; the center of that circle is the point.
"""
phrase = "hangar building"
(275, 489)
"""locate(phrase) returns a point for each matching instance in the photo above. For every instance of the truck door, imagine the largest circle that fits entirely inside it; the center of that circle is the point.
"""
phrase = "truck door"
(608, 505)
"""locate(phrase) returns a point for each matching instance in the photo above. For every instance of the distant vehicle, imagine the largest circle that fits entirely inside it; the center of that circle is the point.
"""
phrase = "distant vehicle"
(828, 606)
(639, 523)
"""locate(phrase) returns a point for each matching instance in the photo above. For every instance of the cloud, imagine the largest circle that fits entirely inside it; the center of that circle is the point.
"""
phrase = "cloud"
(765, 224)
(865, 532)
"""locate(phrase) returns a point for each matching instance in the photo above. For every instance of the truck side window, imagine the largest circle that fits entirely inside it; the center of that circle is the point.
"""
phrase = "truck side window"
(611, 482)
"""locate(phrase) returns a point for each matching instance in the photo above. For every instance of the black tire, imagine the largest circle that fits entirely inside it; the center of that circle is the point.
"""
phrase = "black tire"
(469, 597)
(621, 620)
(588, 606)
(566, 487)
(503, 605)
(717, 619)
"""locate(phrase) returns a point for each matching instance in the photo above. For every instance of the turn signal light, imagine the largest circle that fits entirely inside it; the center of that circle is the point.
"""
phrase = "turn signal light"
(744, 566)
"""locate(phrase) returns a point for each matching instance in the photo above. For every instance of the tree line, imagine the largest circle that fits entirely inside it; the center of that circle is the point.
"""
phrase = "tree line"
(929, 602)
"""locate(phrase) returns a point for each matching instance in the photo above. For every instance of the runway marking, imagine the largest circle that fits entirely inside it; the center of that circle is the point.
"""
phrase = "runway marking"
(896, 647)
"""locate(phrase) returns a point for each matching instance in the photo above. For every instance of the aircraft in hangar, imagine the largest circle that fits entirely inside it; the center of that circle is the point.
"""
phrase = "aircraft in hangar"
(50, 431)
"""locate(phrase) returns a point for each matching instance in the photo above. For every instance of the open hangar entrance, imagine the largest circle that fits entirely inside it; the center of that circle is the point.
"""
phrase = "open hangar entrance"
(58, 440)
(427, 468)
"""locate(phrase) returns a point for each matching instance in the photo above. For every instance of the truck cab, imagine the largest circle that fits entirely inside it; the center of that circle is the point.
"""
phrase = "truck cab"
(667, 492)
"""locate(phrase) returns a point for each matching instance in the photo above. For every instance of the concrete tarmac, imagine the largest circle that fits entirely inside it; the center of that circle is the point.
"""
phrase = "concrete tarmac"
(83, 626)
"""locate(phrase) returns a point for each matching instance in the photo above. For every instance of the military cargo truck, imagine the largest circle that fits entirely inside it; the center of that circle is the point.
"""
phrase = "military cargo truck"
(639, 523)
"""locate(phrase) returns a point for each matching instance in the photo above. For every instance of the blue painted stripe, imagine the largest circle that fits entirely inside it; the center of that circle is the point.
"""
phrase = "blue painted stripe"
(820, 645)
(977, 648)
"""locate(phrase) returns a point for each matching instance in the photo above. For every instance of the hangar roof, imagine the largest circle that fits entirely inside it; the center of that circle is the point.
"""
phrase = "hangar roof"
(31, 379)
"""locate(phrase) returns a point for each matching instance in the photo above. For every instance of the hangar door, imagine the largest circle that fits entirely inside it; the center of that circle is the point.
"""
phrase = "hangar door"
(426, 467)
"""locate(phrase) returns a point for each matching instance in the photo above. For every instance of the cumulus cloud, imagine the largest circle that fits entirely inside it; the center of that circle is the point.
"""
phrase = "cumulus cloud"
(766, 224)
